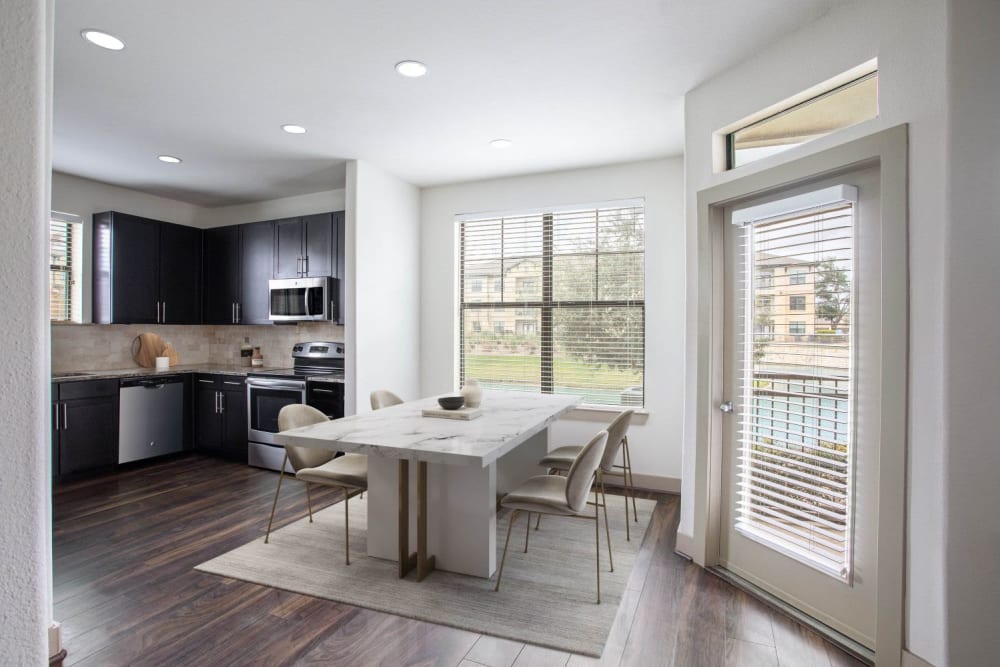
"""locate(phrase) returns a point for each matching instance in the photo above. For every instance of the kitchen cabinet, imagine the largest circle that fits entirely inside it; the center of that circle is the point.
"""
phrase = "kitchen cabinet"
(84, 426)
(238, 263)
(305, 247)
(220, 416)
(327, 397)
(340, 272)
(145, 271)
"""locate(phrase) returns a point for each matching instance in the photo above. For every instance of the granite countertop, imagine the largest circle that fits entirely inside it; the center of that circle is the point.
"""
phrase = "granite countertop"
(118, 373)
(401, 432)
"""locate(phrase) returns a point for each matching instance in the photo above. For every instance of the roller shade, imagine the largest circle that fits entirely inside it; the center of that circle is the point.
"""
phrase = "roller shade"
(553, 301)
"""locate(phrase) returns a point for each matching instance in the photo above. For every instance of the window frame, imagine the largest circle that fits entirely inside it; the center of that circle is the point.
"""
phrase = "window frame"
(796, 299)
(547, 304)
(72, 296)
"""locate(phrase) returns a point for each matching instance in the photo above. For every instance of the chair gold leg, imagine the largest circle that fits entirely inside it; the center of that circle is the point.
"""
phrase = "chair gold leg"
(347, 527)
(309, 503)
(513, 518)
(631, 481)
(597, 542)
(527, 532)
(281, 475)
(607, 529)
(626, 490)
(538, 521)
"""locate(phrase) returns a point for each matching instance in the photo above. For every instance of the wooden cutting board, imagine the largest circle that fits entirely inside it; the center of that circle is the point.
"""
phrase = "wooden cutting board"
(147, 347)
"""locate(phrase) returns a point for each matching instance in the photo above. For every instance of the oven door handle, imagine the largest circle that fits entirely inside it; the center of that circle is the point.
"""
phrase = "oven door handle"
(276, 384)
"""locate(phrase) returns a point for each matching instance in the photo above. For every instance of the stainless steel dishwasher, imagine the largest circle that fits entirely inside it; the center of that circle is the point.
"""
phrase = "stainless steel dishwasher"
(151, 417)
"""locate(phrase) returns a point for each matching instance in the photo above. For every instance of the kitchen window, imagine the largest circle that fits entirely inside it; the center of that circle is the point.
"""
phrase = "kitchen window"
(573, 282)
(65, 267)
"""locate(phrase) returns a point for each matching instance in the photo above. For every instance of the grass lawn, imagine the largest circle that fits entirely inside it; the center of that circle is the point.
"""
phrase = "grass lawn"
(526, 369)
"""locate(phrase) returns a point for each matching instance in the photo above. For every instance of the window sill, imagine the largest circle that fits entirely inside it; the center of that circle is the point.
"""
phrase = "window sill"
(600, 413)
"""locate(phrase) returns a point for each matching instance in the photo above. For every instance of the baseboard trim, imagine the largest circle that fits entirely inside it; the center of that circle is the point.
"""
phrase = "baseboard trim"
(56, 652)
(838, 639)
(684, 545)
(912, 660)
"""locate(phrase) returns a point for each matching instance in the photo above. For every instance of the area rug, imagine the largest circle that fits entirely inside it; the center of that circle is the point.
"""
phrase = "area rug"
(547, 596)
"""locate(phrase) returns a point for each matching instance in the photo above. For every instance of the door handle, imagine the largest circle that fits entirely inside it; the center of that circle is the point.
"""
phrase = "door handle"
(164, 312)
(306, 304)
(217, 407)
(207, 381)
(322, 391)
(232, 312)
(157, 312)
(306, 271)
(56, 407)
(65, 423)
(726, 407)
(239, 312)
(222, 403)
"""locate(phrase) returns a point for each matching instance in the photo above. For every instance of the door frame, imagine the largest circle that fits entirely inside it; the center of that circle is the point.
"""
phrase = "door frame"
(888, 148)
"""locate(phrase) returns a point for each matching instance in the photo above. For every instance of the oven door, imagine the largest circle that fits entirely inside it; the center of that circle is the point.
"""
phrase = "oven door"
(265, 398)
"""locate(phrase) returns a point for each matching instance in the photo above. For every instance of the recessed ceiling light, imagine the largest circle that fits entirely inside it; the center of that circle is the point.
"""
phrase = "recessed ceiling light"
(103, 39)
(293, 129)
(169, 159)
(501, 143)
(411, 68)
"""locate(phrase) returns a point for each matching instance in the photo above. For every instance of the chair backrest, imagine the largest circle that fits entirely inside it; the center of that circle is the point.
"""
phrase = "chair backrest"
(294, 416)
(383, 398)
(581, 472)
(616, 435)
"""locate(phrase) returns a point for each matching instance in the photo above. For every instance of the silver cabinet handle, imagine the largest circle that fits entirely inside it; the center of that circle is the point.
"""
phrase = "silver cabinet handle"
(322, 391)
(306, 271)
(726, 407)
(222, 402)
(207, 381)
(157, 312)
(228, 382)
(65, 424)
(164, 312)
(239, 312)
(218, 402)
(56, 407)
(232, 313)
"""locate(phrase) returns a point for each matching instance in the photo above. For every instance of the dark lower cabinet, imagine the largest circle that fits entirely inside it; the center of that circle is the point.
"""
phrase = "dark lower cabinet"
(327, 397)
(220, 416)
(84, 426)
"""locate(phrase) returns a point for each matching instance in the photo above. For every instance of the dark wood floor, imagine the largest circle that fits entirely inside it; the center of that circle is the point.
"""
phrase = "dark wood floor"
(125, 544)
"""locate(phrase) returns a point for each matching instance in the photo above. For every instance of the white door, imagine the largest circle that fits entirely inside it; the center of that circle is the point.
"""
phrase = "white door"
(803, 336)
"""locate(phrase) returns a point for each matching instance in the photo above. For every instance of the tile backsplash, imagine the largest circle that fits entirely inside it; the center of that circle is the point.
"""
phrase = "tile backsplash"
(107, 346)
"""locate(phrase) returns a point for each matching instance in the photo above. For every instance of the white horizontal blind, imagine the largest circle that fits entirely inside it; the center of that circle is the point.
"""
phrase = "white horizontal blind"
(796, 388)
(554, 302)
(64, 237)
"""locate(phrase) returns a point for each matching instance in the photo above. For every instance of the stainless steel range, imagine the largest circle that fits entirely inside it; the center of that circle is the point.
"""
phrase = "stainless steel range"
(316, 378)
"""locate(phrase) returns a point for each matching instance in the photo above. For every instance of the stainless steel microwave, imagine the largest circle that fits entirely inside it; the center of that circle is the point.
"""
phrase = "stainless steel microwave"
(303, 299)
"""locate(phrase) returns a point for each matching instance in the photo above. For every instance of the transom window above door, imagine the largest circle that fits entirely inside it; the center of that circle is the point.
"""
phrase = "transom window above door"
(568, 316)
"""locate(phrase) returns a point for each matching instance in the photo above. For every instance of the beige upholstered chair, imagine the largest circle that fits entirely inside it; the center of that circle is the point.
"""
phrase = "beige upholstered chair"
(317, 466)
(561, 496)
(382, 398)
(559, 460)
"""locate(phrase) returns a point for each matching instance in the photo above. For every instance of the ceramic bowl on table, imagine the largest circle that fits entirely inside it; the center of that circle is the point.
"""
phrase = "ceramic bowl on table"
(451, 402)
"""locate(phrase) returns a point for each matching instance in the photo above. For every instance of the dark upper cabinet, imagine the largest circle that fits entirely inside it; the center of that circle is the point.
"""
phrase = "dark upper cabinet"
(340, 273)
(239, 261)
(145, 271)
(84, 426)
(305, 247)
(221, 270)
(180, 274)
(257, 249)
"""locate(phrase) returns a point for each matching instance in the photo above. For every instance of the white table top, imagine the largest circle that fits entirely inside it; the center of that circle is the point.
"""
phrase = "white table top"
(401, 432)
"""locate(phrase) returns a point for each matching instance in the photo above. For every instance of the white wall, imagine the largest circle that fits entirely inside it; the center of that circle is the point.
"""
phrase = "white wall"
(908, 38)
(25, 561)
(383, 277)
(655, 440)
(273, 209)
(971, 321)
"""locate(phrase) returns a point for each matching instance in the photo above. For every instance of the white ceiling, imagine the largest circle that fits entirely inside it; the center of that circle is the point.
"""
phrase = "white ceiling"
(572, 82)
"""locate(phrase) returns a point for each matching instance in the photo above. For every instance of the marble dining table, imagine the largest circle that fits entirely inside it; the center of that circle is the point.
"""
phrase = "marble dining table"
(462, 467)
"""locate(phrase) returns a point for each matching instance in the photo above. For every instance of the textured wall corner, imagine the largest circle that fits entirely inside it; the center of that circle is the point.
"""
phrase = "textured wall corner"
(25, 568)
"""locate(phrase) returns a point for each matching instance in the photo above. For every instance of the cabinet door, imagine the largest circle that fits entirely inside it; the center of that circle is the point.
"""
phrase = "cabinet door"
(339, 234)
(221, 268)
(288, 248)
(88, 434)
(180, 274)
(319, 244)
(135, 255)
(234, 421)
(256, 267)
(207, 420)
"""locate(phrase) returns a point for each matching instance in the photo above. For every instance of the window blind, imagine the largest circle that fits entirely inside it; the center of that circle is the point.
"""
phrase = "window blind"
(64, 239)
(553, 302)
(795, 432)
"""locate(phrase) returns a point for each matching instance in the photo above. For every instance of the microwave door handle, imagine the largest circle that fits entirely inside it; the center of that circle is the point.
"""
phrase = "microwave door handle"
(306, 296)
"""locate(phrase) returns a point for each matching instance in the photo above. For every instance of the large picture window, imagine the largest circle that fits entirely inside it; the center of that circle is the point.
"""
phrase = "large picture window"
(572, 281)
